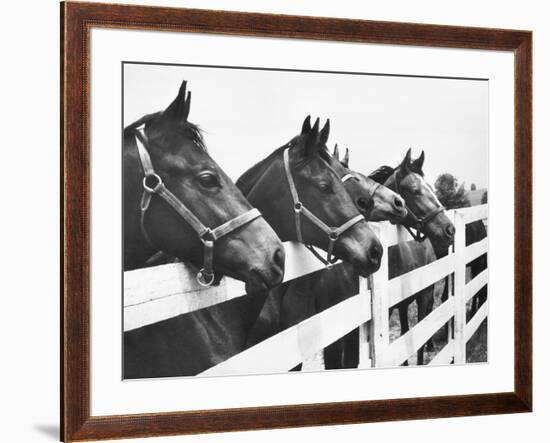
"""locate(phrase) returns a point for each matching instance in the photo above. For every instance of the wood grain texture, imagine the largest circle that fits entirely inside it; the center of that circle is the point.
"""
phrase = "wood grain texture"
(76, 21)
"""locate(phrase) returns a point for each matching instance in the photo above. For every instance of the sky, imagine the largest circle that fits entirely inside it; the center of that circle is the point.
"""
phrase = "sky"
(246, 114)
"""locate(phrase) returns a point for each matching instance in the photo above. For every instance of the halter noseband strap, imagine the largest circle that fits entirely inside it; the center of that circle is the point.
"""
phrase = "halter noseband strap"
(419, 223)
(332, 233)
(205, 276)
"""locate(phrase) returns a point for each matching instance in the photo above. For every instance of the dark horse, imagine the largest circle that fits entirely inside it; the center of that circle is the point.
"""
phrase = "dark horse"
(247, 249)
(296, 189)
(191, 343)
(250, 250)
(301, 298)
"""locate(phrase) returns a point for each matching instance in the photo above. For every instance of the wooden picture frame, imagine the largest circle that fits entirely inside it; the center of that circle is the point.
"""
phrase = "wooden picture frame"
(77, 19)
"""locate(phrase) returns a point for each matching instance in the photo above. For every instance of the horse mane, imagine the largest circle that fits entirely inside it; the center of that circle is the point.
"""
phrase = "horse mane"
(382, 174)
(249, 178)
(184, 128)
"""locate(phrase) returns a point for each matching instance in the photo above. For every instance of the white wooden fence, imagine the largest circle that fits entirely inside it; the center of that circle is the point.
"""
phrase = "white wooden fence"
(155, 294)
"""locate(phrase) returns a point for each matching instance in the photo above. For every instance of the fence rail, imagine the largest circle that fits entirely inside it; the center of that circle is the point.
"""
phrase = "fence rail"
(162, 292)
(155, 294)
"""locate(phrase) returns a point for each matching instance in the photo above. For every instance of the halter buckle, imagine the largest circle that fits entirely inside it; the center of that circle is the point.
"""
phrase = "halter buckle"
(152, 188)
(298, 207)
(201, 278)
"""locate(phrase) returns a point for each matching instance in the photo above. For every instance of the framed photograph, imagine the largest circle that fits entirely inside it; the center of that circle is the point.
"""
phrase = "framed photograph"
(273, 221)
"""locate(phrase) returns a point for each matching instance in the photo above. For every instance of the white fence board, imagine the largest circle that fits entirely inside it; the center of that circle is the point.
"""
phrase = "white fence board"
(406, 345)
(379, 327)
(294, 345)
(475, 322)
(365, 360)
(459, 286)
(476, 249)
(397, 235)
(474, 213)
(476, 284)
(445, 356)
(405, 285)
(162, 292)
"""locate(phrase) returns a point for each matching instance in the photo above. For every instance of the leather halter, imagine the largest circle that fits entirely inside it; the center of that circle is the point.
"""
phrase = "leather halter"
(205, 277)
(419, 223)
(332, 233)
(372, 192)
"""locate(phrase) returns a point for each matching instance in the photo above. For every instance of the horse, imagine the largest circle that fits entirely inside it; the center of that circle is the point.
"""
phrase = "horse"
(375, 201)
(322, 213)
(191, 343)
(178, 200)
(301, 298)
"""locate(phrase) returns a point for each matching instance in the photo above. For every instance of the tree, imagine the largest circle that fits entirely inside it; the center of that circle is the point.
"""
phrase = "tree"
(449, 193)
(473, 187)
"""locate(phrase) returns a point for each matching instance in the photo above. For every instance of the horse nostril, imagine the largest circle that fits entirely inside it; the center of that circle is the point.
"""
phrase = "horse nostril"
(450, 230)
(375, 252)
(362, 204)
(398, 202)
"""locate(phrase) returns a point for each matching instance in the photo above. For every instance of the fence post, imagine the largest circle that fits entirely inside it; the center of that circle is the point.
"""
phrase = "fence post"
(379, 330)
(459, 288)
(364, 345)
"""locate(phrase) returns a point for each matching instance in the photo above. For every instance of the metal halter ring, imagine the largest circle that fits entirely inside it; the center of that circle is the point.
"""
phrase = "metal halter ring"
(155, 188)
(298, 207)
(208, 236)
(200, 278)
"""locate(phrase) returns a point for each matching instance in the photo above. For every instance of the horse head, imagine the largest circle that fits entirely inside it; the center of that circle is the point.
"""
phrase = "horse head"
(187, 197)
(301, 196)
(375, 201)
(425, 212)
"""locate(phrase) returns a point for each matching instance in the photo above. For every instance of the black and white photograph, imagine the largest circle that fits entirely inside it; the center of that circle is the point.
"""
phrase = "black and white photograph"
(280, 220)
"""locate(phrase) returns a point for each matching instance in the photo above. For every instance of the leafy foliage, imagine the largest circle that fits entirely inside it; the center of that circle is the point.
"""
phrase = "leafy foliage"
(449, 193)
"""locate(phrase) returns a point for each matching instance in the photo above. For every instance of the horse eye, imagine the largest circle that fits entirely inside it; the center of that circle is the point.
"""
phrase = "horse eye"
(325, 187)
(208, 180)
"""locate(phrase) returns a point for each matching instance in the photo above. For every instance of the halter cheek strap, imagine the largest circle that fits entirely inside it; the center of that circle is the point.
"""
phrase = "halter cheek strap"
(419, 224)
(153, 185)
(299, 209)
(346, 177)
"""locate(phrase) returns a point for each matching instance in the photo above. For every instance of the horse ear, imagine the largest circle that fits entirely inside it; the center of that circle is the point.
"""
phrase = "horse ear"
(345, 161)
(179, 108)
(306, 126)
(336, 154)
(324, 133)
(406, 163)
(418, 163)
(186, 106)
(311, 143)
